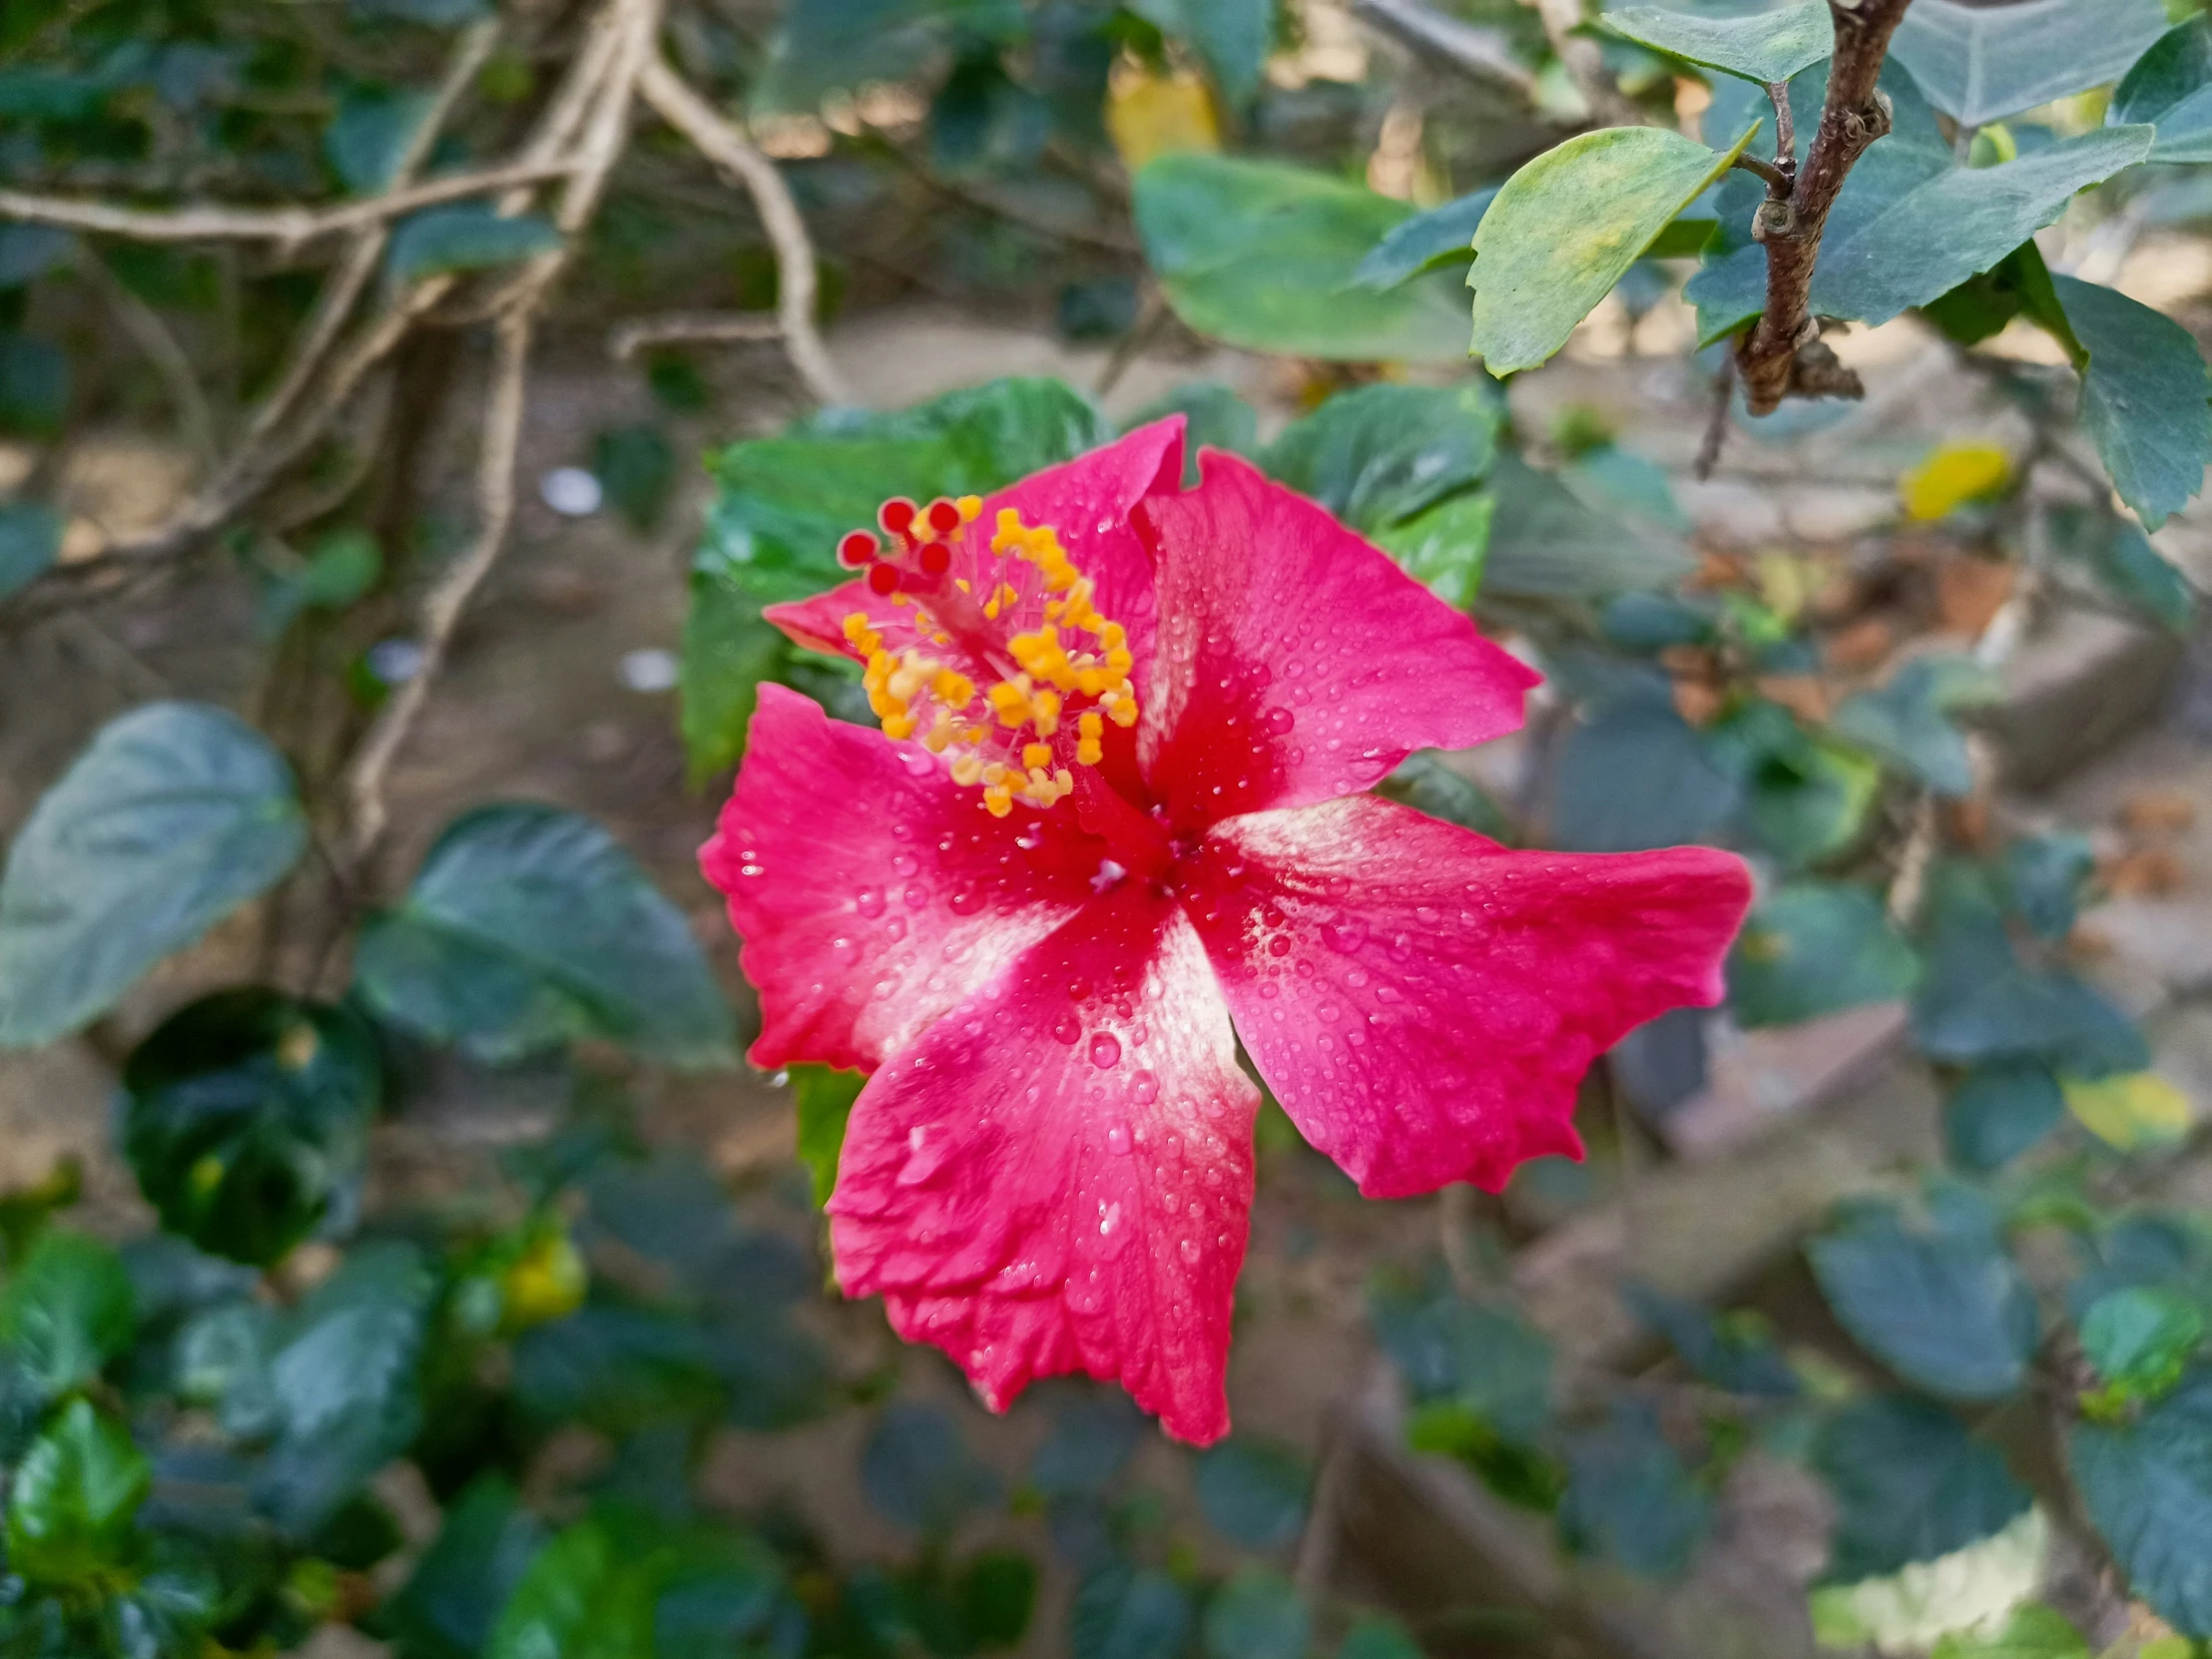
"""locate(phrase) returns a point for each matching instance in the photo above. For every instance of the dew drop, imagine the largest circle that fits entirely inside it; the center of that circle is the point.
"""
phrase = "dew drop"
(869, 902)
(965, 900)
(847, 951)
(1345, 934)
(1105, 1049)
(1279, 945)
(1117, 1138)
(1279, 720)
(904, 863)
(1108, 1220)
(1188, 1250)
(1066, 1029)
(1144, 1089)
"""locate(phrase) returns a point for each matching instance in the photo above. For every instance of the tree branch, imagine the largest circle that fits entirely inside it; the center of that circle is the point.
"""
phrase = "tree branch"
(159, 348)
(1482, 53)
(1783, 353)
(626, 339)
(728, 148)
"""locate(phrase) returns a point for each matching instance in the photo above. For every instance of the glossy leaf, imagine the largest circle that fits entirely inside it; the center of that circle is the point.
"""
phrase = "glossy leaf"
(1630, 1499)
(1261, 255)
(1981, 64)
(1257, 1614)
(1814, 948)
(30, 542)
(2170, 87)
(466, 237)
(1907, 722)
(246, 1119)
(1998, 1110)
(2146, 399)
(918, 1472)
(1909, 1485)
(1442, 239)
(68, 1309)
(173, 817)
(1380, 454)
(2148, 1489)
(1946, 1311)
(528, 925)
(1127, 1612)
(824, 1098)
(1446, 547)
(1231, 37)
(1254, 1491)
(1765, 45)
(1565, 228)
(1635, 775)
(73, 1501)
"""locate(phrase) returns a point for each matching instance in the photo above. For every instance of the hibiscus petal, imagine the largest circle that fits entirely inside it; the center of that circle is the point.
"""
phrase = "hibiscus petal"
(1088, 500)
(1051, 1182)
(1296, 662)
(872, 892)
(1424, 1002)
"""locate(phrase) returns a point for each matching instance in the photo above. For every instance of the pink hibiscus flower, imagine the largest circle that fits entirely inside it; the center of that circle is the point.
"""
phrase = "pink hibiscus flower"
(1113, 823)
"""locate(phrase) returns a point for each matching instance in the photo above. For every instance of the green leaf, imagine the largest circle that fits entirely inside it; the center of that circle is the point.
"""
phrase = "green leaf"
(1981, 64)
(1262, 256)
(1482, 1356)
(1128, 1612)
(918, 1472)
(2032, 1632)
(1814, 948)
(824, 1098)
(1444, 547)
(581, 1598)
(1426, 783)
(484, 1545)
(74, 1501)
(997, 1593)
(2146, 399)
(2042, 880)
(638, 467)
(1629, 1500)
(1212, 415)
(1998, 1110)
(1376, 1636)
(30, 542)
(35, 384)
(467, 236)
(1765, 47)
(1547, 543)
(1380, 454)
(1636, 775)
(2170, 87)
(1566, 227)
(1907, 721)
(2019, 284)
(67, 1311)
(2121, 560)
(1253, 1491)
(369, 133)
(1804, 798)
(528, 925)
(245, 1118)
(29, 252)
(1720, 1355)
(1091, 1441)
(2130, 1111)
(173, 817)
(1231, 36)
(2148, 1491)
(1909, 1485)
(727, 648)
(1257, 1614)
(2138, 1338)
(1945, 1310)
(1910, 239)
(1442, 239)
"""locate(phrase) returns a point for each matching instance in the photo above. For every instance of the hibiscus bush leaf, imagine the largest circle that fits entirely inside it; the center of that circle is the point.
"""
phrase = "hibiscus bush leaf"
(2148, 1488)
(246, 1120)
(1636, 775)
(2170, 87)
(2044, 876)
(637, 466)
(368, 133)
(2033, 1631)
(1630, 1499)
(1380, 454)
(1446, 547)
(1129, 1612)
(1257, 1614)
(918, 1472)
(173, 817)
(1546, 542)
(1981, 64)
(1999, 1109)
(30, 541)
(1442, 239)
(1764, 47)
(1908, 721)
(1231, 37)
(1945, 1310)
(67, 1311)
(35, 385)
(1813, 948)
(1909, 1485)
(1254, 1491)
(1426, 783)
(1565, 228)
(1091, 1441)
(485, 1542)
(2119, 559)
(824, 1097)
(528, 925)
(1214, 417)
(2138, 1338)
(1725, 1356)
(468, 236)
(1262, 256)
(2146, 397)
(74, 1500)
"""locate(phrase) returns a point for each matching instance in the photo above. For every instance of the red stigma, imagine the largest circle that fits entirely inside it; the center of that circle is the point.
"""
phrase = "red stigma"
(944, 517)
(936, 558)
(895, 515)
(882, 578)
(856, 549)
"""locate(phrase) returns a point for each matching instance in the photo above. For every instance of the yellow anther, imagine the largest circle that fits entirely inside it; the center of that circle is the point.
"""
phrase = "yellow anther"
(907, 682)
(968, 769)
(1064, 780)
(998, 799)
(1113, 636)
(1009, 700)
(861, 636)
(898, 725)
(961, 582)
(952, 687)
(1034, 755)
(995, 772)
(971, 508)
(1044, 712)
(940, 737)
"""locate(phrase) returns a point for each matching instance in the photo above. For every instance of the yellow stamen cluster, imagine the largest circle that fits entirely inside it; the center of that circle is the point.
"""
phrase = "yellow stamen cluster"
(1003, 732)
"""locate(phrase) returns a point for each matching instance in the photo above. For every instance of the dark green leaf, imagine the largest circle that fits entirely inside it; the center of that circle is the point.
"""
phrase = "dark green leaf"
(29, 252)
(1126, 1612)
(2042, 880)
(30, 541)
(1424, 782)
(1254, 1491)
(1091, 1441)
(2122, 562)
(465, 236)
(1383, 453)
(1231, 36)
(1998, 1110)
(2138, 1338)
(2144, 398)
(1945, 1310)
(616, 1369)
(173, 817)
(1546, 543)
(67, 1311)
(997, 1593)
(34, 385)
(1981, 64)
(1261, 255)
(528, 925)
(1442, 239)
(1444, 547)
(1629, 1498)
(918, 1472)
(74, 1499)
(2170, 87)
(1909, 1485)
(1257, 1614)
(2019, 284)
(246, 1119)
(369, 134)
(637, 466)
(1212, 415)
(1764, 46)
(728, 650)
(484, 1545)
(1487, 1359)
(1814, 948)
(824, 1100)
(1614, 479)
(1907, 722)
(2148, 1489)
(1373, 1636)
(1804, 799)
(1720, 1355)
(580, 1598)
(1636, 776)
(1565, 228)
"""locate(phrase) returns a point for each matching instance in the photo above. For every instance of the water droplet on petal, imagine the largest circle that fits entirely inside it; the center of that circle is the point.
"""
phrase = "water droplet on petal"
(1278, 721)
(869, 902)
(1144, 1089)
(1066, 1029)
(1105, 1050)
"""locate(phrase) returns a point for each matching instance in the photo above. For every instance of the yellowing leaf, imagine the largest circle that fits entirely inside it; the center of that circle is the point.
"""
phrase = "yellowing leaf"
(1953, 475)
(2136, 1110)
(1150, 115)
(545, 1282)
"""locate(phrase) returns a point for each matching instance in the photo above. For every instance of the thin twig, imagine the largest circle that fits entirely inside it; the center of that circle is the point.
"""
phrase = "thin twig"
(1785, 125)
(728, 148)
(1777, 182)
(1486, 54)
(626, 339)
(1716, 425)
(159, 347)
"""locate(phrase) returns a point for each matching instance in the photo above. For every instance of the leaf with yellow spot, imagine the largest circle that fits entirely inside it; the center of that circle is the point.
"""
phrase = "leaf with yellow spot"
(545, 1282)
(2131, 1112)
(1150, 115)
(1952, 476)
